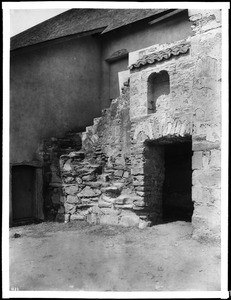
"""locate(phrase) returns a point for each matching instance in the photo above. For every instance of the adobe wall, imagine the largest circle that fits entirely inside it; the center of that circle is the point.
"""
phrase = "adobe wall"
(52, 88)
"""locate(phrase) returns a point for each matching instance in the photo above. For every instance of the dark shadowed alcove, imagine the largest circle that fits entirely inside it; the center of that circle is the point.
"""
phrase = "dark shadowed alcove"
(158, 85)
(168, 179)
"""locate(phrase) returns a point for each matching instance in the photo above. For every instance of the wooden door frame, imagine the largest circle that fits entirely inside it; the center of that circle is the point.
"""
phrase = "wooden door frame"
(38, 190)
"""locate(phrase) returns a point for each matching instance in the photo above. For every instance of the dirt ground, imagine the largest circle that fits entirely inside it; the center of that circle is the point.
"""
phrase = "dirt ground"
(78, 256)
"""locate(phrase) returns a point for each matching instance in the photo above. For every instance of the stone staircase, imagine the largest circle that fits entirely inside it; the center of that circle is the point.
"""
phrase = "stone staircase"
(89, 177)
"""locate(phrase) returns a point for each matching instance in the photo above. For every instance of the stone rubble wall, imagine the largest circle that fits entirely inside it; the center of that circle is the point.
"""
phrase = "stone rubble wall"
(97, 182)
(50, 152)
(94, 183)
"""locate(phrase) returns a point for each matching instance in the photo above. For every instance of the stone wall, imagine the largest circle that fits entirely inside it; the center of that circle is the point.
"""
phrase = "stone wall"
(190, 109)
(117, 177)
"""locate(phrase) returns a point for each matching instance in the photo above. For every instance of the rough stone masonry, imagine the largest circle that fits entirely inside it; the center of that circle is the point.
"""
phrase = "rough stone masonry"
(173, 95)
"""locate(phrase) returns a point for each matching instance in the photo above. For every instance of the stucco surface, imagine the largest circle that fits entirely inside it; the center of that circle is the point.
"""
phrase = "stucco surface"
(52, 89)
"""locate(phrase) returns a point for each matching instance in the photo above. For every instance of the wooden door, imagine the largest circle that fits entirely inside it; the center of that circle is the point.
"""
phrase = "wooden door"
(23, 192)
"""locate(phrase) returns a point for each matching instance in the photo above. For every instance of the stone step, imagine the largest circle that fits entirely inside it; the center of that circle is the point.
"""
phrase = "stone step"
(111, 191)
(77, 154)
(88, 192)
(125, 199)
(96, 120)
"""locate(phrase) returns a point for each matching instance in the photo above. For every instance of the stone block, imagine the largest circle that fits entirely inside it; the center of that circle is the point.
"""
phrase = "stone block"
(129, 220)
(84, 211)
(72, 199)
(118, 173)
(140, 193)
(67, 218)
(140, 188)
(69, 179)
(77, 154)
(88, 192)
(95, 210)
(111, 191)
(110, 211)
(119, 185)
(69, 208)
(71, 189)
(90, 177)
(137, 171)
(78, 180)
(206, 178)
(136, 208)
(125, 199)
(67, 166)
(103, 204)
(215, 161)
(197, 160)
(206, 159)
(108, 199)
(126, 174)
(205, 145)
(77, 217)
(109, 219)
(139, 202)
(94, 184)
(138, 183)
(123, 206)
(105, 177)
(93, 219)
(85, 202)
(206, 196)
(196, 193)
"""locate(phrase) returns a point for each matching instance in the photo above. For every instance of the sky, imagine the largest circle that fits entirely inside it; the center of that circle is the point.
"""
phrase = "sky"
(22, 19)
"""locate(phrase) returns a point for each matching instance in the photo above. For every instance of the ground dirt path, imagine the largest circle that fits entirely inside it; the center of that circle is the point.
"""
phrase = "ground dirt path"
(77, 256)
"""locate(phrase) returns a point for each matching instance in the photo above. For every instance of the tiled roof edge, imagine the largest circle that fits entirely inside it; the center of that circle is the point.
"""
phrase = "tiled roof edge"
(161, 55)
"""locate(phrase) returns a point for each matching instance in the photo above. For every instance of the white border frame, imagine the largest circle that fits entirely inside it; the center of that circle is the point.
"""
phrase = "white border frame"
(7, 6)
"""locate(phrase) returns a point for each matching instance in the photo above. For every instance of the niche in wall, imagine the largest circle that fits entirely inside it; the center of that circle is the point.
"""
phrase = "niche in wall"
(158, 85)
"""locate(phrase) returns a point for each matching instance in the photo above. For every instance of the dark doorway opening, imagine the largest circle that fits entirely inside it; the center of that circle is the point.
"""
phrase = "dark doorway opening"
(177, 186)
(23, 194)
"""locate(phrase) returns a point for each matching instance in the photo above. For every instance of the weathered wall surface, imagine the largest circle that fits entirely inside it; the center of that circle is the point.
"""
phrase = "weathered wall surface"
(192, 108)
(206, 164)
(137, 37)
(52, 89)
